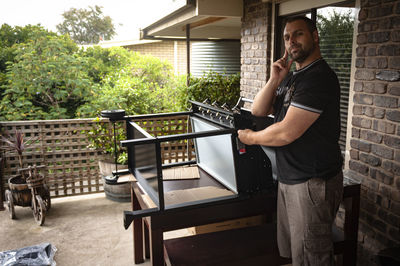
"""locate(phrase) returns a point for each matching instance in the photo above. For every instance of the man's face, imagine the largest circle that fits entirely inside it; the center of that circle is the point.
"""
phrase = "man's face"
(299, 42)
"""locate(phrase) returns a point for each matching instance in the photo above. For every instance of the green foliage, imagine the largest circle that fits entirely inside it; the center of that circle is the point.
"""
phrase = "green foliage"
(142, 85)
(9, 36)
(336, 42)
(48, 77)
(336, 36)
(334, 24)
(102, 62)
(87, 26)
(101, 137)
(215, 88)
(47, 80)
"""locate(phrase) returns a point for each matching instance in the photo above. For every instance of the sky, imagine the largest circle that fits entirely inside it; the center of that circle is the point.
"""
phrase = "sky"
(127, 15)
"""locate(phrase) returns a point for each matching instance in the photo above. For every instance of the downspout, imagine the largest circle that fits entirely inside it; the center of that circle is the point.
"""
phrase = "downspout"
(187, 53)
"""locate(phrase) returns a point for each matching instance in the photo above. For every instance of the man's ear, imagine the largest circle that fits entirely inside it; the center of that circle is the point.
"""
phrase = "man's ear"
(315, 36)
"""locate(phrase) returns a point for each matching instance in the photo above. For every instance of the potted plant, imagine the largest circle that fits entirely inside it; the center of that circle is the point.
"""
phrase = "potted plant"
(15, 143)
(16, 183)
(101, 137)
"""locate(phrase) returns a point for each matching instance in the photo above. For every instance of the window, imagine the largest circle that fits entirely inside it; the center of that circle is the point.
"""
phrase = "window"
(335, 25)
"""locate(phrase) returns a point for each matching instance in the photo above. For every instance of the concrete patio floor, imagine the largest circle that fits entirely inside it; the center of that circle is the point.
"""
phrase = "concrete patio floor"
(86, 230)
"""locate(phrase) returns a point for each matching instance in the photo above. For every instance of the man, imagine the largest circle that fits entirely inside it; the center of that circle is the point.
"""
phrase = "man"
(305, 104)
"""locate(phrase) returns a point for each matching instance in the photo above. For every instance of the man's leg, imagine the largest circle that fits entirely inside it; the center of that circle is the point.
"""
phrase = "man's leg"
(283, 231)
(311, 208)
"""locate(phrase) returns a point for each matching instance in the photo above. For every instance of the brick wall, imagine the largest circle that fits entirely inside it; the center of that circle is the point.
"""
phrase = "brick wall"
(165, 50)
(375, 134)
(255, 46)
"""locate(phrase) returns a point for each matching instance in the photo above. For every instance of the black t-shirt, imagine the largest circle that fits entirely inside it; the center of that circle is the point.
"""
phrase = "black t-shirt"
(316, 153)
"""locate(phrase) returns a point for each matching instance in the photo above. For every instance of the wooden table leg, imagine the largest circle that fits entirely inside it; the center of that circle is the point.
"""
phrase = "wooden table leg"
(156, 247)
(146, 240)
(137, 231)
(352, 206)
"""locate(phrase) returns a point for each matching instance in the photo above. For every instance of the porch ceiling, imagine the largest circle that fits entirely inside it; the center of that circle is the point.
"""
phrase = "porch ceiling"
(208, 19)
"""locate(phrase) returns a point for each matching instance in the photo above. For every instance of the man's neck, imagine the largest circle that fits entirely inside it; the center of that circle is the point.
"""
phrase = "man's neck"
(314, 56)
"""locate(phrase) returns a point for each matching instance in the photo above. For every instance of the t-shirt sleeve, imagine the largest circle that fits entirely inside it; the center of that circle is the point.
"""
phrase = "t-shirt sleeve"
(314, 93)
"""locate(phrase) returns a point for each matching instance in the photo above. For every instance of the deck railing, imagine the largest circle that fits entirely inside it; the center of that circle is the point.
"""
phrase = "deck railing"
(62, 145)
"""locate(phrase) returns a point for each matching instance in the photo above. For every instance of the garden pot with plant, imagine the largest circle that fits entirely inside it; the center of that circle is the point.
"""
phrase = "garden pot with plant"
(20, 192)
(101, 137)
(17, 183)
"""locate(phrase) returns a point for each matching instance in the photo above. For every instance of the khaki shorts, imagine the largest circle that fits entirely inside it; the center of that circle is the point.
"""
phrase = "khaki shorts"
(306, 213)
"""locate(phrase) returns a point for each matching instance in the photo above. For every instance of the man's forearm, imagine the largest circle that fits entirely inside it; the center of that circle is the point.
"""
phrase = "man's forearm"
(274, 135)
(295, 123)
(264, 100)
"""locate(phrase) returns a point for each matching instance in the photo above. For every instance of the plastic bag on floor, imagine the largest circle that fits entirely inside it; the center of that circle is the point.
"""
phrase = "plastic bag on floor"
(41, 254)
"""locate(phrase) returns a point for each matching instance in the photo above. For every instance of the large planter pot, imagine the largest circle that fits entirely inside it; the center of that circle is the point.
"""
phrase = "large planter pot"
(106, 167)
(120, 192)
(21, 193)
(116, 191)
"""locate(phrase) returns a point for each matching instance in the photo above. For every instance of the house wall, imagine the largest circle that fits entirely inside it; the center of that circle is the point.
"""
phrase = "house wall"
(172, 51)
(374, 148)
(256, 46)
(375, 127)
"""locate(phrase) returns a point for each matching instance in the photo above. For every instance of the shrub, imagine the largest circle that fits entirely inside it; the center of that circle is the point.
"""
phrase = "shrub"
(102, 62)
(215, 87)
(101, 137)
(47, 80)
(143, 85)
(9, 36)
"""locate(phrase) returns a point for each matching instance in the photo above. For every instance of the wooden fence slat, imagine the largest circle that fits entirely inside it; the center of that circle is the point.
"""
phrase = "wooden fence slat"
(72, 167)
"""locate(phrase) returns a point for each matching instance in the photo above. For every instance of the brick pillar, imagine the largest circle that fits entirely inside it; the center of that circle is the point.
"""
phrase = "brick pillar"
(375, 134)
(256, 46)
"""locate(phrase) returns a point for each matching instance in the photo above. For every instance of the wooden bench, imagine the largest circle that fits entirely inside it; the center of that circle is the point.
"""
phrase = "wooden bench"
(257, 245)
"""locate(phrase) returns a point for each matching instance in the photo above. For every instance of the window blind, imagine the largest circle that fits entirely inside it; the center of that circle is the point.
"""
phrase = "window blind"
(336, 49)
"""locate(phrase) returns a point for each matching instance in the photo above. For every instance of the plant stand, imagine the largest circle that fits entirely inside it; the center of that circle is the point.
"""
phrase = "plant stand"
(117, 191)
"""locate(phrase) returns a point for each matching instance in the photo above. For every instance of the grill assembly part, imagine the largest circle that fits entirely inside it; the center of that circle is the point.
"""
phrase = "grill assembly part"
(244, 170)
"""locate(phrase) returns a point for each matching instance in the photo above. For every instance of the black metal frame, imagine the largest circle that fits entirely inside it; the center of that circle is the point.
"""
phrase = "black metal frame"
(251, 166)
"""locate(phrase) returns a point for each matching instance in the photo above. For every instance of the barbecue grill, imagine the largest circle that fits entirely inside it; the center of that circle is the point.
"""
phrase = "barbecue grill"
(242, 170)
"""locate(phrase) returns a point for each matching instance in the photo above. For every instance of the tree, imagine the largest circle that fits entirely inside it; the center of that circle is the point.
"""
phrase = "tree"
(8, 37)
(336, 40)
(47, 79)
(139, 84)
(102, 61)
(87, 26)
